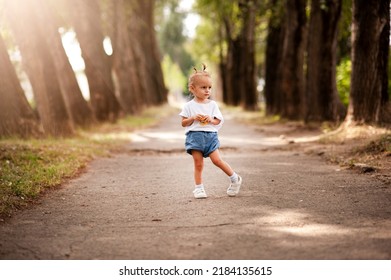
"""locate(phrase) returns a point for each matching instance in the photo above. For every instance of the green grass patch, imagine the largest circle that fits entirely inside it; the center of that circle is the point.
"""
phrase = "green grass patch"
(29, 167)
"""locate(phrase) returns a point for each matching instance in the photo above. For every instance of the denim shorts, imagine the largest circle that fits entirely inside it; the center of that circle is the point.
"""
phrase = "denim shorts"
(203, 141)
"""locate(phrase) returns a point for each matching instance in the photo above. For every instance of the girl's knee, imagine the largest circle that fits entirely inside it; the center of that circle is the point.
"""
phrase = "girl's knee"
(198, 164)
(217, 161)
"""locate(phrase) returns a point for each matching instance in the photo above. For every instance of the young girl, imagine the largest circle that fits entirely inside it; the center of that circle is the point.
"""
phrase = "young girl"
(202, 118)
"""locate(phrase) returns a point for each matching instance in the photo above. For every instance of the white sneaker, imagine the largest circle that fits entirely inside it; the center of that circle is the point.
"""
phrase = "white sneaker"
(199, 193)
(234, 188)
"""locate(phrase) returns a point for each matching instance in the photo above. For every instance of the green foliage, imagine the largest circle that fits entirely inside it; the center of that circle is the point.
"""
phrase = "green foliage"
(344, 70)
(171, 37)
(344, 30)
(173, 76)
(206, 46)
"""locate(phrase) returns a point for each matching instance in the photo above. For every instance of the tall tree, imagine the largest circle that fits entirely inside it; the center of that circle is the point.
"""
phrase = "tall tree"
(86, 19)
(16, 115)
(39, 67)
(370, 48)
(150, 55)
(247, 67)
(237, 65)
(78, 108)
(291, 65)
(136, 60)
(130, 84)
(323, 102)
(273, 54)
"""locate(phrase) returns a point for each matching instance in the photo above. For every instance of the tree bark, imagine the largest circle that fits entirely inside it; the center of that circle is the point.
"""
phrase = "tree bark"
(239, 68)
(323, 103)
(273, 54)
(290, 67)
(78, 109)
(86, 18)
(39, 67)
(370, 40)
(247, 66)
(125, 65)
(144, 26)
(16, 116)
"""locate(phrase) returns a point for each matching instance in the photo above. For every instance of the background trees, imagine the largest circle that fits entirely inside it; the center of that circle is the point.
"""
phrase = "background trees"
(16, 115)
(39, 66)
(369, 97)
(327, 44)
(307, 44)
(34, 26)
(297, 56)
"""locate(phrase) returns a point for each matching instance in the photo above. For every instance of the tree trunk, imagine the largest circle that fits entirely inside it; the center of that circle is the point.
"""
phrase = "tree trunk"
(232, 64)
(273, 54)
(39, 67)
(16, 116)
(125, 65)
(78, 109)
(86, 18)
(247, 67)
(290, 67)
(144, 26)
(370, 40)
(323, 103)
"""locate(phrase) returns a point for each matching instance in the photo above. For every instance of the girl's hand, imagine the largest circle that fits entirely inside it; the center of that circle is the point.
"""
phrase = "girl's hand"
(200, 117)
(205, 119)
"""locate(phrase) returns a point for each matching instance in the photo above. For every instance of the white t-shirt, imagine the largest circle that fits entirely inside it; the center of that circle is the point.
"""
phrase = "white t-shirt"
(211, 109)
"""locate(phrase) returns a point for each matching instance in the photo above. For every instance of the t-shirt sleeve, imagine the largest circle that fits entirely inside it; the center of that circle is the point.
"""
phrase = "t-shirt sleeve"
(217, 114)
(185, 111)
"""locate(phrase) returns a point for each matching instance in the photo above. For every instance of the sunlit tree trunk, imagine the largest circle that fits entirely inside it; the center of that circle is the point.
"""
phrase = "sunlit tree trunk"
(370, 40)
(291, 65)
(78, 109)
(146, 47)
(86, 18)
(16, 116)
(125, 65)
(153, 60)
(39, 67)
(136, 55)
(323, 103)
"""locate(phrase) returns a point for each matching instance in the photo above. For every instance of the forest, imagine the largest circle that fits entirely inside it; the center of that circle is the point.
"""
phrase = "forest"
(301, 60)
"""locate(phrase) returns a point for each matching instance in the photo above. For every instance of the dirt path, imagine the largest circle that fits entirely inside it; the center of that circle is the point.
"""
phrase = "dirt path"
(139, 205)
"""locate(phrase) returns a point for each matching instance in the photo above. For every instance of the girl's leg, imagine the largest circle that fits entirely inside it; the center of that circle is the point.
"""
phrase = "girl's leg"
(198, 166)
(236, 180)
(216, 159)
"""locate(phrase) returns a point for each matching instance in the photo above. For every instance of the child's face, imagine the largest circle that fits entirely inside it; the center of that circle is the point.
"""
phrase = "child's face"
(202, 88)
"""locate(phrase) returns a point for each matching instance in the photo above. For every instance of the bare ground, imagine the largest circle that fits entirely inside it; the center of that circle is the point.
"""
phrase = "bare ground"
(294, 204)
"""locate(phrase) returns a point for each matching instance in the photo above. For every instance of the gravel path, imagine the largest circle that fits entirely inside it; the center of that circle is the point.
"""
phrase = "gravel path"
(139, 205)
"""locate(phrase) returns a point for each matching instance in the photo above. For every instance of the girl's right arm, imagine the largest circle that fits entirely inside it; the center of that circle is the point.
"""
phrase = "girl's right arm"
(187, 121)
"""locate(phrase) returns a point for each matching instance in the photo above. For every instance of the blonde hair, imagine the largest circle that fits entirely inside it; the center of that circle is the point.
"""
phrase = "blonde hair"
(198, 73)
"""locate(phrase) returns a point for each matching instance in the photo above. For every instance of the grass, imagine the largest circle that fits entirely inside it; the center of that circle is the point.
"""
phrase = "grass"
(30, 167)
